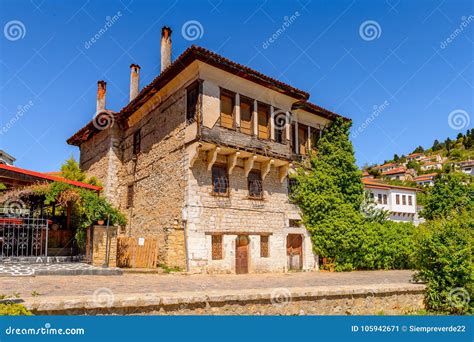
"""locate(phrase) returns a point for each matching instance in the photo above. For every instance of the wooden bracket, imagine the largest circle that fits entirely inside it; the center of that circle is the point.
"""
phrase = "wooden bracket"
(265, 168)
(232, 161)
(283, 172)
(194, 155)
(248, 164)
(212, 157)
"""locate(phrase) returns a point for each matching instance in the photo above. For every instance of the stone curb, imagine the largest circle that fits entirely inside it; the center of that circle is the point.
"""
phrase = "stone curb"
(73, 304)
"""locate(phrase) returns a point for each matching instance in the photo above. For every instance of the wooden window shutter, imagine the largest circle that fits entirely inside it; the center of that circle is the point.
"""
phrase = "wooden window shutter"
(227, 109)
(246, 106)
(217, 247)
(264, 250)
(263, 121)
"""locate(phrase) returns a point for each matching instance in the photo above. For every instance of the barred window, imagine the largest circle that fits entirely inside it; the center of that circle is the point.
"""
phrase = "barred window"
(217, 247)
(220, 181)
(264, 246)
(255, 184)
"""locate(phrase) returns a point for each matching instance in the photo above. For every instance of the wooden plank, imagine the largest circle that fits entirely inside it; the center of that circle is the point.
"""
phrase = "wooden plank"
(131, 254)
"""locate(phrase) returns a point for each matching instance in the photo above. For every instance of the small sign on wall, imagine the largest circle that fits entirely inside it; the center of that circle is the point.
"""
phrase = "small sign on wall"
(141, 241)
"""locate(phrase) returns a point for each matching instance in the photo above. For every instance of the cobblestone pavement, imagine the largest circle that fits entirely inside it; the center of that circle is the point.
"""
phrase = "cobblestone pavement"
(29, 269)
(156, 283)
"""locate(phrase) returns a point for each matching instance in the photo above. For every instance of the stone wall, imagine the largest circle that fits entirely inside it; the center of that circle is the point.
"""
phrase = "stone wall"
(239, 214)
(104, 251)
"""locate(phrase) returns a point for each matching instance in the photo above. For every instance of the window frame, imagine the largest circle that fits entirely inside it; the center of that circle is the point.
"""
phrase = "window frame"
(404, 199)
(410, 200)
(231, 95)
(397, 199)
(267, 117)
(258, 176)
(248, 101)
(264, 240)
(214, 169)
(137, 142)
(196, 85)
(217, 246)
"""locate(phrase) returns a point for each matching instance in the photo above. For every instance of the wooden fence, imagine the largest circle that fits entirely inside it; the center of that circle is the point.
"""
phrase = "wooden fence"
(137, 252)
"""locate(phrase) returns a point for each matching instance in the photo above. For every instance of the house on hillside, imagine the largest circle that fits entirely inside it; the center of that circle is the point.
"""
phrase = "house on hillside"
(387, 167)
(466, 167)
(431, 165)
(5, 158)
(425, 180)
(400, 173)
(399, 201)
(199, 159)
(416, 157)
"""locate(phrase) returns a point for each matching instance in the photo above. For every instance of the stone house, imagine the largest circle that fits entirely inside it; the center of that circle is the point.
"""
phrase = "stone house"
(199, 159)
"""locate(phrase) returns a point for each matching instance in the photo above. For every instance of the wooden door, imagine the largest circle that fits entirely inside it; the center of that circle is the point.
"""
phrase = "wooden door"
(294, 250)
(241, 255)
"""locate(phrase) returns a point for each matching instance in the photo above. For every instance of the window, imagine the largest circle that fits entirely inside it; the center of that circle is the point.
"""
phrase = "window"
(315, 135)
(192, 96)
(137, 142)
(385, 199)
(279, 134)
(255, 184)
(397, 199)
(379, 198)
(410, 200)
(372, 196)
(130, 193)
(264, 246)
(294, 223)
(293, 137)
(227, 108)
(263, 112)
(292, 184)
(217, 247)
(246, 109)
(303, 138)
(280, 121)
(404, 200)
(220, 181)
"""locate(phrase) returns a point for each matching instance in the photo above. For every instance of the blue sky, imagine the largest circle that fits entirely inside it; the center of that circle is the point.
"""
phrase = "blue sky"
(404, 68)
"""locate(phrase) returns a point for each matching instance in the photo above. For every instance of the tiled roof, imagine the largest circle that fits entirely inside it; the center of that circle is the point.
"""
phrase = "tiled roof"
(46, 177)
(373, 184)
(198, 53)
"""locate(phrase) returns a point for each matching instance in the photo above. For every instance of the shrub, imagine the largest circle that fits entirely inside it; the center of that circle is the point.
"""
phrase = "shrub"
(13, 309)
(444, 258)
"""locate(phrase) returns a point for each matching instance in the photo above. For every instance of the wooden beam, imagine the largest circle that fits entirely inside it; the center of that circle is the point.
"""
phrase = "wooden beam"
(283, 172)
(211, 157)
(232, 161)
(265, 168)
(248, 164)
(194, 154)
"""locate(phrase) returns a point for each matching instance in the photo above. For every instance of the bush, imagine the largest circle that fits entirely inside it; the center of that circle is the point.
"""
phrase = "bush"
(444, 258)
(13, 309)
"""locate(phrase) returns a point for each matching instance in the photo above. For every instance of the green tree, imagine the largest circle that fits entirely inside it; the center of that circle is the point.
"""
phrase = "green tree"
(451, 191)
(419, 149)
(2, 186)
(436, 146)
(448, 145)
(371, 211)
(71, 170)
(330, 193)
(444, 258)
(396, 158)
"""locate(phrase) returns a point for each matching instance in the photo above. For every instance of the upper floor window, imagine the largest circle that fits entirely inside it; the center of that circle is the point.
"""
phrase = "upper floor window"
(404, 200)
(227, 108)
(385, 199)
(137, 139)
(263, 113)
(255, 184)
(410, 200)
(192, 97)
(246, 109)
(314, 137)
(280, 126)
(397, 199)
(379, 197)
(220, 180)
(303, 138)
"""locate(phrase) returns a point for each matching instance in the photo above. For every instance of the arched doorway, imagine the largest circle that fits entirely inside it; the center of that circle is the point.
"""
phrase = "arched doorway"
(294, 251)
(242, 254)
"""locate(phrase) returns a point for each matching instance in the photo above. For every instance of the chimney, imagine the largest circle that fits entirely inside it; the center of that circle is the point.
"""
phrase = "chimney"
(101, 90)
(134, 80)
(165, 47)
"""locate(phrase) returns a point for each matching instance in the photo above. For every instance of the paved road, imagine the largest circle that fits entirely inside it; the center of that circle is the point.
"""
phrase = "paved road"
(148, 283)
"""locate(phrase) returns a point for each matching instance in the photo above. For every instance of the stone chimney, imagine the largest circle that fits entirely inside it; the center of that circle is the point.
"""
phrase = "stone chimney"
(165, 47)
(134, 80)
(101, 91)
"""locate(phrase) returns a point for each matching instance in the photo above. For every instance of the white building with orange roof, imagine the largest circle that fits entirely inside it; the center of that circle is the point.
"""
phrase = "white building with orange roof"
(399, 201)
(425, 180)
